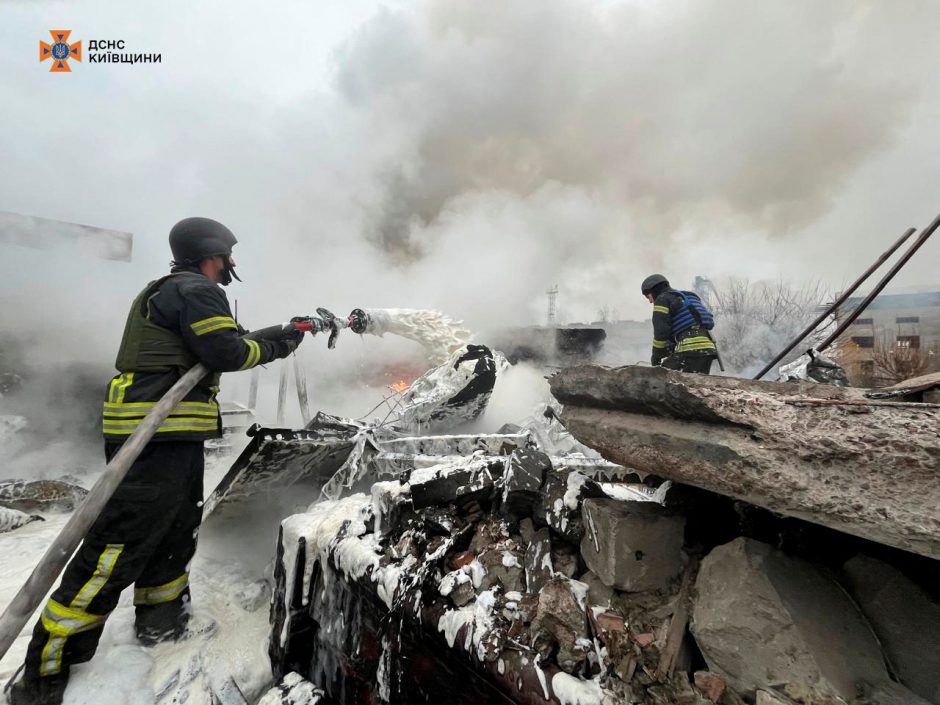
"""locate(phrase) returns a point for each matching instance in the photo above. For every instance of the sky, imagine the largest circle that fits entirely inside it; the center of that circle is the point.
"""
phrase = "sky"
(468, 155)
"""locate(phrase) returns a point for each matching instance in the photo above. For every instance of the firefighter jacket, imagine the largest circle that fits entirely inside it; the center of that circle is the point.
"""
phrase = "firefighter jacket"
(680, 325)
(175, 322)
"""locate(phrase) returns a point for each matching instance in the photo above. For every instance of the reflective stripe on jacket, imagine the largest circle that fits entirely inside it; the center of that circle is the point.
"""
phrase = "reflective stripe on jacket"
(175, 322)
(676, 325)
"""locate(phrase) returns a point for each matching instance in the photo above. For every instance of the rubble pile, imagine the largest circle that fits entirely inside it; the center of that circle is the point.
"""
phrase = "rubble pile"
(498, 569)
(481, 554)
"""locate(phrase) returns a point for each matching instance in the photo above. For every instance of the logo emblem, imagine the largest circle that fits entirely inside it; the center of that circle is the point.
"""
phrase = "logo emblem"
(60, 51)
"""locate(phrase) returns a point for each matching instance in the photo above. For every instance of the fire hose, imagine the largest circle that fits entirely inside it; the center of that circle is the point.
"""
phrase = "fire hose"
(25, 602)
(31, 594)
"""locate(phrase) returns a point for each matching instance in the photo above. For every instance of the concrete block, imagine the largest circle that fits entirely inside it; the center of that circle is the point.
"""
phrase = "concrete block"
(632, 546)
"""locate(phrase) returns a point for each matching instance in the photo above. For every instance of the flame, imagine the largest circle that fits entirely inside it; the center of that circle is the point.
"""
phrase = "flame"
(400, 386)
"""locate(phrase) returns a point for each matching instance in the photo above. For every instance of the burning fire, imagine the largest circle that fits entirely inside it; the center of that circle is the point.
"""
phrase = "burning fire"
(400, 386)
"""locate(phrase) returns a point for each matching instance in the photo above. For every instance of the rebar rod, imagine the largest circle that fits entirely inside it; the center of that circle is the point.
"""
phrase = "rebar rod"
(885, 280)
(838, 302)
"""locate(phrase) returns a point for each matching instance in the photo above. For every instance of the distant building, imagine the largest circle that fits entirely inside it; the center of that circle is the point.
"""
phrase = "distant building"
(896, 337)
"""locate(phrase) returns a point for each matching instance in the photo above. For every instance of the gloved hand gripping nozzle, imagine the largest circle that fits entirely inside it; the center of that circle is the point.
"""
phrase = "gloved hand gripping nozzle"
(325, 320)
(290, 334)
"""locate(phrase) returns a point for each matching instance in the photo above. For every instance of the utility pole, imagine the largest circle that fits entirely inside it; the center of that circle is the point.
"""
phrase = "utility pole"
(552, 295)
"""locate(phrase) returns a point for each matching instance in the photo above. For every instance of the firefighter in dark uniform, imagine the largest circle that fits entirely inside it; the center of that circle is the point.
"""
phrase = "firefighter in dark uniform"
(146, 534)
(681, 327)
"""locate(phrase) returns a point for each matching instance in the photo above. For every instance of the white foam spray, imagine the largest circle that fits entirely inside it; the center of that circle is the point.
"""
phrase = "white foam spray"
(440, 335)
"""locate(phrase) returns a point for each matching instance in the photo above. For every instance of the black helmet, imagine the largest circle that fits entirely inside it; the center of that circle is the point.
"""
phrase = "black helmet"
(651, 282)
(194, 239)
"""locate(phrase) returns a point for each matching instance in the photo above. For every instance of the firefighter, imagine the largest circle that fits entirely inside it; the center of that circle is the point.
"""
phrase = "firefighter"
(146, 534)
(681, 325)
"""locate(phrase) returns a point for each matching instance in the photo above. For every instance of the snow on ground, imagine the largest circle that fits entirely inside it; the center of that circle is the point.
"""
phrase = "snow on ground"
(230, 590)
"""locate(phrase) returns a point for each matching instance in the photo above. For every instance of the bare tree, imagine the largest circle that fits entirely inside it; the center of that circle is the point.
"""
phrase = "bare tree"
(606, 313)
(897, 360)
(755, 320)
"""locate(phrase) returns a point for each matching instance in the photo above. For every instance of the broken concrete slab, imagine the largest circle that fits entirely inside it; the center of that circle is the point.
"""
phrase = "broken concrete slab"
(632, 546)
(905, 619)
(810, 451)
(913, 389)
(761, 617)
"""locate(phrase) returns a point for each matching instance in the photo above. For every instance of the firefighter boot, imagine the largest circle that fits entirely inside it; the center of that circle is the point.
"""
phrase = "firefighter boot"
(159, 623)
(170, 627)
(36, 690)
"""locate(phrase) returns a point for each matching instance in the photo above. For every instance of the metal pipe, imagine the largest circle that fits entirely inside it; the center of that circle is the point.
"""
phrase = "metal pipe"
(25, 602)
(838, 302)
(885, 280)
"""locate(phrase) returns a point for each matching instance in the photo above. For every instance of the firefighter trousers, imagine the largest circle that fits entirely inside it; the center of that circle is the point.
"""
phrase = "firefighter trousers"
(145, 535)
(685, 362)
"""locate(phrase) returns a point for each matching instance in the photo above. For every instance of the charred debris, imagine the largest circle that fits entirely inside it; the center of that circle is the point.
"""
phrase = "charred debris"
(727, 542)
(655, 538)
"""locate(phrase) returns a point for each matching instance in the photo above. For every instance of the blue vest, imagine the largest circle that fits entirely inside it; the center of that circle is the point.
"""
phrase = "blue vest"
(692, 313)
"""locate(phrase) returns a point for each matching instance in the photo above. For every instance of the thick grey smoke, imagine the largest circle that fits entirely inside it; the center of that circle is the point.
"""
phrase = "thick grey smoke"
(497, 149)
(611, 131)
(466, 156)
